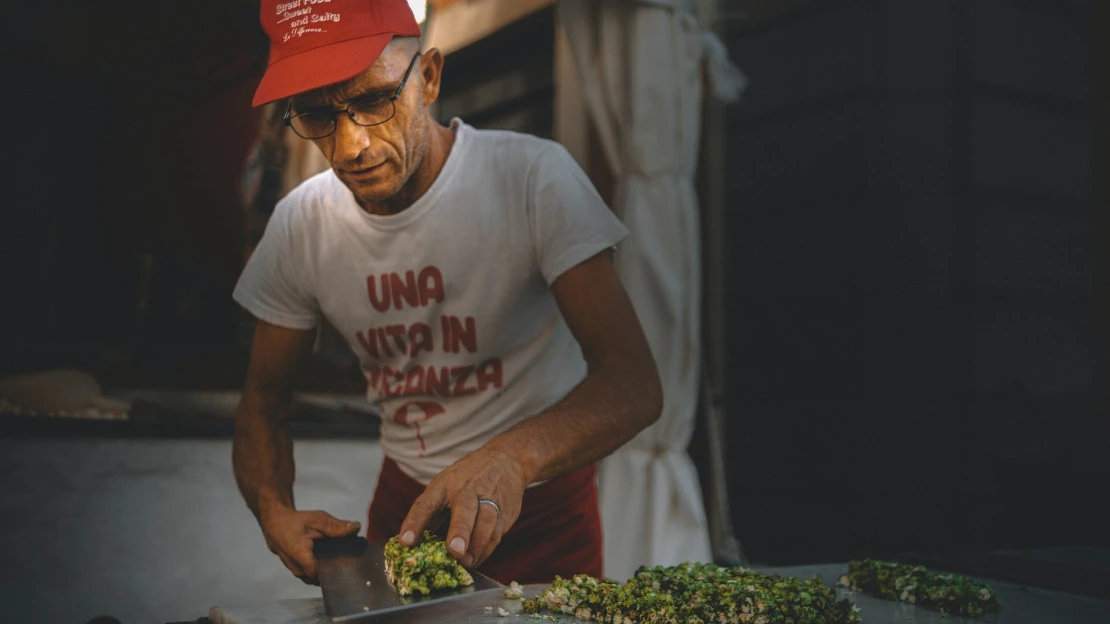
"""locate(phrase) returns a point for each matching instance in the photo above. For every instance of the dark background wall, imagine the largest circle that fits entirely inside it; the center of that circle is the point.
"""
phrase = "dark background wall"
(912, 267)
(127, 128)
(505, 81)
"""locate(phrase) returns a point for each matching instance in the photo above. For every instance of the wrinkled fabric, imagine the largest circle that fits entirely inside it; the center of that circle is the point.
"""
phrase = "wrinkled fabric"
(640, 64)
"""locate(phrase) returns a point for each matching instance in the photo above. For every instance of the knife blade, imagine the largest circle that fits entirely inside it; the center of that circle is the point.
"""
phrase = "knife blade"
(352, 578)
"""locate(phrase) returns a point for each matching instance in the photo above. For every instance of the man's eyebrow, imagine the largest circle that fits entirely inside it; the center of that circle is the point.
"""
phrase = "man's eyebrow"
(386, 90)
(362, 93)
(373, 88)
(303, 107)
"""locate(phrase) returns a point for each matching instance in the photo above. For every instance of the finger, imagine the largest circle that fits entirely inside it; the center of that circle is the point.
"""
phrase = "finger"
(491, 545)
(302, 555)
(464, 513)
(290, 564)
(327, 525)
(438, 523)
(423, 509)
(483, 531)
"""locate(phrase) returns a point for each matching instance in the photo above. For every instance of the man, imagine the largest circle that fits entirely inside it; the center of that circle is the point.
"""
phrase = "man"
(470, 272)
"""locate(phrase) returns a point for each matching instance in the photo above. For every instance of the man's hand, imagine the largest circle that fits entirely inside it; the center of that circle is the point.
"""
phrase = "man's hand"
(475, 529)
(620, 396)
(290, 534)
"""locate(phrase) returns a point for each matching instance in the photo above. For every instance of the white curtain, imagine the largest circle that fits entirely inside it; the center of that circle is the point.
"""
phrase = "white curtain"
(640, 65)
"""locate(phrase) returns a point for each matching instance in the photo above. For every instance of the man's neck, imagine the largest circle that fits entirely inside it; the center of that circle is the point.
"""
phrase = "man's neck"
(440, 141)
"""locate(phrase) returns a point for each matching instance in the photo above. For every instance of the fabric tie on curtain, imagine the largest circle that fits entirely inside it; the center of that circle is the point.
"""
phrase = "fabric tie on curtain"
(640, 64)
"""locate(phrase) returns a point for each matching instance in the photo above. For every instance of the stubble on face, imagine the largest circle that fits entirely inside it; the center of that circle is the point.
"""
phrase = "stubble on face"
(377, 163)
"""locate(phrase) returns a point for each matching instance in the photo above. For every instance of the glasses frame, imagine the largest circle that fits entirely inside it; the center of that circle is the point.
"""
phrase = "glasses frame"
(289, 116)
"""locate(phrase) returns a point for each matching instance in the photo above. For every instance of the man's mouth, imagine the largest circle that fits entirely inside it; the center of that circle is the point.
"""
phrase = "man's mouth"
(364, 173)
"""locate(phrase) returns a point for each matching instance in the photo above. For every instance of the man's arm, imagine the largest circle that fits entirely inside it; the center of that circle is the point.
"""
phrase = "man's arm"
(620, 396)
(262, 451)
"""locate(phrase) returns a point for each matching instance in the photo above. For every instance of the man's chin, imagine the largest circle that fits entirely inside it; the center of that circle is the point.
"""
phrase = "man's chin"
(374, 192)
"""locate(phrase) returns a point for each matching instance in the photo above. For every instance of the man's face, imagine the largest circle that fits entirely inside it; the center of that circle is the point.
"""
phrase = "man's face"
(376, 161)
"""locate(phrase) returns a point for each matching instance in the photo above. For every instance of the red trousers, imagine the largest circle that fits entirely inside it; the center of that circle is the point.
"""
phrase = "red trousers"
(558, 531)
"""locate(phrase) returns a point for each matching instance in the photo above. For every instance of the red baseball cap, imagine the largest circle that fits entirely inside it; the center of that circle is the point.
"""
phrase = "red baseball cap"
(315, 43)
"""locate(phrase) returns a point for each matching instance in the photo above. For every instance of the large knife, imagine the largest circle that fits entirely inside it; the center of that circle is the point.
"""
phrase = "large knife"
(352, 576)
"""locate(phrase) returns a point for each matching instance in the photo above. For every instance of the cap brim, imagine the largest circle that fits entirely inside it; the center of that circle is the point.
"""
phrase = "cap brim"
(319, 67)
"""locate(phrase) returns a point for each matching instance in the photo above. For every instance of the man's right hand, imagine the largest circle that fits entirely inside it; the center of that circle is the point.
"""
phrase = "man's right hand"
(290, 534)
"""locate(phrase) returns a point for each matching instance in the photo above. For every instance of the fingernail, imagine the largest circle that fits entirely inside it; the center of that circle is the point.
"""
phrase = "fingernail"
(458, 545)
(408, 538)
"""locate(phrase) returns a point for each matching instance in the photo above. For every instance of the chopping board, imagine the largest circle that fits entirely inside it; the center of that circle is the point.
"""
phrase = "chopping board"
(1021, 605)
(467, 610)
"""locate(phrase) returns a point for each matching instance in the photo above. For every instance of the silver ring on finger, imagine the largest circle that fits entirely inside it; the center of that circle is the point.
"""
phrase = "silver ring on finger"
(486, 501)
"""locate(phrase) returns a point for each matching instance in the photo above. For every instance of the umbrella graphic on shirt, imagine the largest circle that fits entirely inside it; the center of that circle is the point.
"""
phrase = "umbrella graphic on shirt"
(415, 412)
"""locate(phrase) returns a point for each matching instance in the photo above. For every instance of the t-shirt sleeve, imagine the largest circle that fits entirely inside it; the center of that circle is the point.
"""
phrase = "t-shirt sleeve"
(272, 286)
(570, 222)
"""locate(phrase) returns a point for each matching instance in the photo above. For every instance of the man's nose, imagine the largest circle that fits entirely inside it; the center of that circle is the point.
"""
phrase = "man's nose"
(351, 139)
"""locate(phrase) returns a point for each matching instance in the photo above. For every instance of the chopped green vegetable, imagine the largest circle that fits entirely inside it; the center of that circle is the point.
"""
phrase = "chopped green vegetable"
(948, 593)
(695, 593)
(514, 591)
(424, 567)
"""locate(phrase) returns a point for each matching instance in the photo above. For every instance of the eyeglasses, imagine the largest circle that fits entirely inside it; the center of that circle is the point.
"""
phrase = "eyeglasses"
(370, 110)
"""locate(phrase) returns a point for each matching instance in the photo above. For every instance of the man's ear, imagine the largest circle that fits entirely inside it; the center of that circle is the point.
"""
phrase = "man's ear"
(431, 70)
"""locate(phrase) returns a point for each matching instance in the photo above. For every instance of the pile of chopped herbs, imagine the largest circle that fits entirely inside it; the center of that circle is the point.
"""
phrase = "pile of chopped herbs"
(423, 567)
(949, 593)
(696, 593)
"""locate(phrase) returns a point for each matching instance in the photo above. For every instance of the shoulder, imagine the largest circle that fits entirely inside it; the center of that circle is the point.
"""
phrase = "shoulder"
(305, 205)
(515, 152)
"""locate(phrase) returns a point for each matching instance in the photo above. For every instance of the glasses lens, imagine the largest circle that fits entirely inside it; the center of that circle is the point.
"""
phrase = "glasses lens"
(372, 111)
(313, 125)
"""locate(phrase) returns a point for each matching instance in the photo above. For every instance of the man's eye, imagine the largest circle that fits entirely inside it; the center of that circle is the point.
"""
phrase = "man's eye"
(318, 116)
(370, 103)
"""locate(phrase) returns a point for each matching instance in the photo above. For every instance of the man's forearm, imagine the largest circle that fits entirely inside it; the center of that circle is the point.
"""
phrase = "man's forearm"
(602, 413)
(262, 454)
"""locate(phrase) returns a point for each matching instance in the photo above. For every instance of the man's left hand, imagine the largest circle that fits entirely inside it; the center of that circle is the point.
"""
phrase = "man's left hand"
(475, 529)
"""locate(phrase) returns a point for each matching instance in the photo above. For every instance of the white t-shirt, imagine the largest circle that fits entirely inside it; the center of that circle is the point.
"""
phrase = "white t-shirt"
(447, 303)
